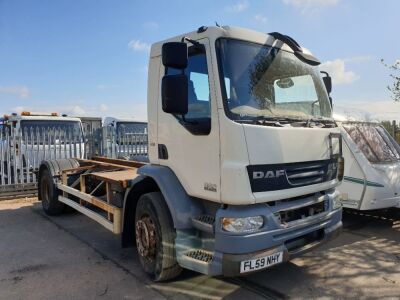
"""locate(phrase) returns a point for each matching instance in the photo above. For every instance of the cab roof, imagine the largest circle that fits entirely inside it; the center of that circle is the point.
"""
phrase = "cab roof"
(215, 32)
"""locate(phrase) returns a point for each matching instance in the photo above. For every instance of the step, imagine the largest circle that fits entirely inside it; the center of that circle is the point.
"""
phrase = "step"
(204, 223)
(200, 255)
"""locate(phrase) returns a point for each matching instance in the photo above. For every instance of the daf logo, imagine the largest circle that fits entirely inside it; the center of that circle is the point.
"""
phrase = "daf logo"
(268, 174)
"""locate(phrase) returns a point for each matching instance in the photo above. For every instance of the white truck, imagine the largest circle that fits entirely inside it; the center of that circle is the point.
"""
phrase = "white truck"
(125, 138)
(30, 137)
(372, 171)
(244, 159)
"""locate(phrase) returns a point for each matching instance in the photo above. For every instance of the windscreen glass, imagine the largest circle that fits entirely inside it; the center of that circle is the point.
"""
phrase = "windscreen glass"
(130, 127)
(42, 130)
(263, 81)
(374, 141)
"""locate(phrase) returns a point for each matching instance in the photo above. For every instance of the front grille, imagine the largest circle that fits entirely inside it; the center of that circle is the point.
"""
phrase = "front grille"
(275, 177)
(286, 217)
(305, 175)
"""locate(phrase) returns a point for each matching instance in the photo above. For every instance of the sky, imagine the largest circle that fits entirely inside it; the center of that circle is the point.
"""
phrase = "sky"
(90, 57)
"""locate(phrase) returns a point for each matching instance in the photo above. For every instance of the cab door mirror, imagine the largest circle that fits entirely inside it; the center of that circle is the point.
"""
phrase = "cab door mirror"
(174, 94)
(174, 88)
(327, 81)
(175, 55)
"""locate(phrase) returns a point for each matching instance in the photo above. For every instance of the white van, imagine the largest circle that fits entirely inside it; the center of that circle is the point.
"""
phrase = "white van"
(372, 167)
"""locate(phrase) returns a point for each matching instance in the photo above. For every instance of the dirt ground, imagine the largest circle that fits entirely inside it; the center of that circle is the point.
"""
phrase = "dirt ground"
(71, 257)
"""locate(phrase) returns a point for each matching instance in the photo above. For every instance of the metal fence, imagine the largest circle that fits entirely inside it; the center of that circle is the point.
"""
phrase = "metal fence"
(124, 144)
(22, 151)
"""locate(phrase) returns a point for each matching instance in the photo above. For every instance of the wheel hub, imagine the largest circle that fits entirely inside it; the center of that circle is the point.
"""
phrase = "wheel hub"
(146, 237)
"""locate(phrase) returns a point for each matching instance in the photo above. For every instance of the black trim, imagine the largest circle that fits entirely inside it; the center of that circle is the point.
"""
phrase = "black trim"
(273, 177)
(162, 151)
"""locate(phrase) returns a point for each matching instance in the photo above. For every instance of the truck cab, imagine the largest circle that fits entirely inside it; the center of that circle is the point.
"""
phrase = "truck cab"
(245, 124)
(125, 138)
(39, 135)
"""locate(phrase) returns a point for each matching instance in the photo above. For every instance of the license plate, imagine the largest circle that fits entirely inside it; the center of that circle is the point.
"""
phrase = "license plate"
(261, 263)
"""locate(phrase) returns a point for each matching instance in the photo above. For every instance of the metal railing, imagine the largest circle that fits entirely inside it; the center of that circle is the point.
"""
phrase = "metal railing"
(22, 151)
(124, 145)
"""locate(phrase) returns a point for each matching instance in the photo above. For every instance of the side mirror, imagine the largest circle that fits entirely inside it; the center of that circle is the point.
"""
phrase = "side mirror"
(175, 55)
(327, 81)
(174, 94)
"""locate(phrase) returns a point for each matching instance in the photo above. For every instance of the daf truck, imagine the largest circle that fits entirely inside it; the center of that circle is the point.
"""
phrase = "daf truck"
(244, 159)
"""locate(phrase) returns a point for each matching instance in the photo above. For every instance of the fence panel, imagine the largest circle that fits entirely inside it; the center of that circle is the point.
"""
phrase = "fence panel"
(22, 151)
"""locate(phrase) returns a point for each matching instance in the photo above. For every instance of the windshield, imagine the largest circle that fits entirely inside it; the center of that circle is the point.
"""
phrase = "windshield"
(263, 81)
(47, 128)
(374, 141)
(131, 127)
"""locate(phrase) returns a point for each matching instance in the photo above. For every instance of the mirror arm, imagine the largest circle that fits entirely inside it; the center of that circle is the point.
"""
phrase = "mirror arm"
(196, 44)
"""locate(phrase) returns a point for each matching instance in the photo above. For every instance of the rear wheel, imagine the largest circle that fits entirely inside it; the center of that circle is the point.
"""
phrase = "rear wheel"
(155, 238)
(49, 195)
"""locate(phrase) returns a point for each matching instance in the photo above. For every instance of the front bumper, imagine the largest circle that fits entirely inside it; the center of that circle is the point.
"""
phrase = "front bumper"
(231, 262)
(230, 249)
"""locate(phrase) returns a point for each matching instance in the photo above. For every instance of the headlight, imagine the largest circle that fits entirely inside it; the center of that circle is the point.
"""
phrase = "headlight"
(248, 224)
(337, 201)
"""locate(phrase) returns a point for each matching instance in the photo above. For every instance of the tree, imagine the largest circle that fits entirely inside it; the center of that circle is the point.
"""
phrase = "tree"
(395, 74)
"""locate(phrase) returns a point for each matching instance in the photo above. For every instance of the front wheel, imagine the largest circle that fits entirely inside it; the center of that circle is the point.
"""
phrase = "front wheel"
(155, 237)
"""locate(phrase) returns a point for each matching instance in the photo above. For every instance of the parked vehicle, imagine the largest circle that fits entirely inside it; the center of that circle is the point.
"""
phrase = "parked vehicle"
(244, 159)
(93, 132)
(28, 138)
(125, 138)
(372, 169)
(91, 124)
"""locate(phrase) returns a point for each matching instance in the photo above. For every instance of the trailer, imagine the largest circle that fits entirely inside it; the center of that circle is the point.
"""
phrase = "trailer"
(372, 169)
(243, 159)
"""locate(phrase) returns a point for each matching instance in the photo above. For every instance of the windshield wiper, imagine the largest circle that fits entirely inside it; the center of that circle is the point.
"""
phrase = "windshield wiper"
(315, 122)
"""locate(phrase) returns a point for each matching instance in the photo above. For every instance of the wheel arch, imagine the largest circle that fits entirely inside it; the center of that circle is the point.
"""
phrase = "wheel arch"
(55, 168)
(155, 178)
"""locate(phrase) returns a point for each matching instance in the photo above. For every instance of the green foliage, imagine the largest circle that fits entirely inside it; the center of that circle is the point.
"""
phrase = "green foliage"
(395, 74)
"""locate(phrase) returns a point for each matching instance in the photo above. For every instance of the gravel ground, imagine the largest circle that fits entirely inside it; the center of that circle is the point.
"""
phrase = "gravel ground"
(71, 257)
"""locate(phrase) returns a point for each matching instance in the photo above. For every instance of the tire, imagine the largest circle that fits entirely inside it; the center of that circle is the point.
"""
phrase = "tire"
(49, 195)
(155, 238)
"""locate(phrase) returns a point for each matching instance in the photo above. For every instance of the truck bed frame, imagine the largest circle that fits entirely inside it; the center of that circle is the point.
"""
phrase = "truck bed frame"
(107, 177)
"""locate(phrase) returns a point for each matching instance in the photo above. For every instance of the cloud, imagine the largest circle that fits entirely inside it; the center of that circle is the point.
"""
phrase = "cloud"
(138, 45)
(136, 111)
(337, 70)
(259, 18)
(238, 7)
(378, 110)
(20, 91)
(75, 110)
(151, 25)
(310, 6)
(103, 108)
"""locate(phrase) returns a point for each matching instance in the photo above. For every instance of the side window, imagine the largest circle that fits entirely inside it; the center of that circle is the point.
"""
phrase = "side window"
(198, 88)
